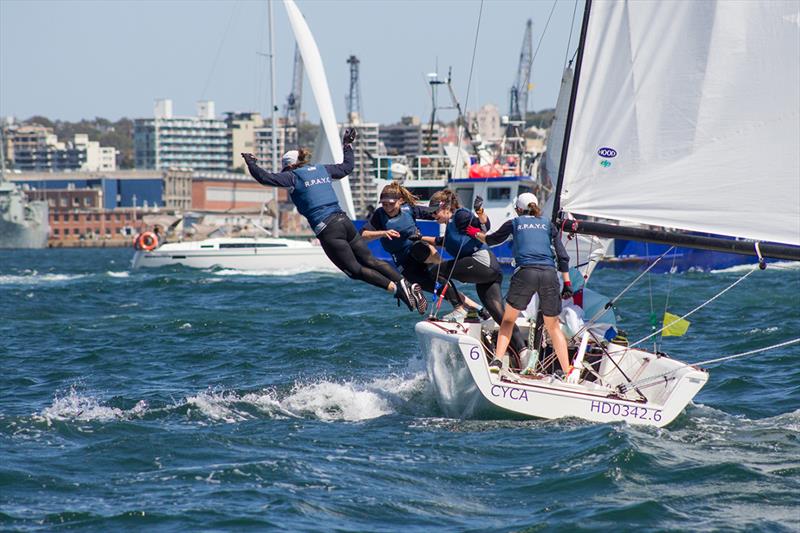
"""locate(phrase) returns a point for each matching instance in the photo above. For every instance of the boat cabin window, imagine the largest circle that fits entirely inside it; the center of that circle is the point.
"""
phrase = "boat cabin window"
(250, 245)
(498, 193)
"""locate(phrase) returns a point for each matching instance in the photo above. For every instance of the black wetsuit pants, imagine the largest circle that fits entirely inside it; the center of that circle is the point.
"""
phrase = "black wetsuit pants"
(417, 272)
(349, 252)
(488, 281)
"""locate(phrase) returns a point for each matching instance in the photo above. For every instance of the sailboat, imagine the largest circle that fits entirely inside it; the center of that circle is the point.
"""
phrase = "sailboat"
(274, 254)
(682, 115)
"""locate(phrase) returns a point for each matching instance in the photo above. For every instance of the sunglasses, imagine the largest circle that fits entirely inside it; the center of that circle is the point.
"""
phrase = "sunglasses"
(389, 202)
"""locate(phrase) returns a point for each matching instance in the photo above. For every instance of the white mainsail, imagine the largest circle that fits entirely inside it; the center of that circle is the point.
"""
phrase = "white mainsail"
(332, 149)
(700, 103)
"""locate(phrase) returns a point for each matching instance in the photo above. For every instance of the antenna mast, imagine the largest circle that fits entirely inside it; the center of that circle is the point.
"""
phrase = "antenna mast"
(354, 110)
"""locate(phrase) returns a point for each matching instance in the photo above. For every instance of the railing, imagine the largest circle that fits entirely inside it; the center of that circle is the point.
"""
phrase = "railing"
(419, 167)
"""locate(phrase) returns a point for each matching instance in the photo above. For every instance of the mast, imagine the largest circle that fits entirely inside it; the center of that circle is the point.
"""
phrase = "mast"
(571, 111)
(274, 136)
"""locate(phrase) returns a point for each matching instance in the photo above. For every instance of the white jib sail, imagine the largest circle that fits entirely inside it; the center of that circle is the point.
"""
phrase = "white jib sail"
(332, 150)
(688, 116)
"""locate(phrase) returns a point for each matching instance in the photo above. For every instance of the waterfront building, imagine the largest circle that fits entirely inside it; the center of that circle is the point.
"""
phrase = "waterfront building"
(486, 122)
(410, 137)
(198, 143)
(242, 129)
(366, 149)
(286, 137)
(35, 148)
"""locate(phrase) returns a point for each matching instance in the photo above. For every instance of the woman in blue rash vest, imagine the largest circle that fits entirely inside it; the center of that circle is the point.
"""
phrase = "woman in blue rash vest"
(473, 261)
(394, 223)
(311, 190)
(534, 239)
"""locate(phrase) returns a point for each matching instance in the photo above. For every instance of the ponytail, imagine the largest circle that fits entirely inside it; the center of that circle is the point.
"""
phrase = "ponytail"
(303, 158)
(396, 190)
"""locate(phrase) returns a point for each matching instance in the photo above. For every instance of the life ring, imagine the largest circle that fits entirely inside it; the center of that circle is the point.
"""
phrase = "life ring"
(147, 241)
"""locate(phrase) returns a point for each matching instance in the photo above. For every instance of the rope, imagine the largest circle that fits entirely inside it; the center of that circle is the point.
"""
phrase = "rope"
(569, 41)
(751, 352)
(729, 287)
(614, 300)
(458, 152)
(650, 380)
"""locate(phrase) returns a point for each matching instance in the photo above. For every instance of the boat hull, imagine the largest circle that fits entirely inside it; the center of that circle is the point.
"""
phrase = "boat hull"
(263, 255)
(459, 373)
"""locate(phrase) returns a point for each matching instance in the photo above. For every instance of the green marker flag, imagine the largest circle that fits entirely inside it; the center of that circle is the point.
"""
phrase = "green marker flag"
(674, 326)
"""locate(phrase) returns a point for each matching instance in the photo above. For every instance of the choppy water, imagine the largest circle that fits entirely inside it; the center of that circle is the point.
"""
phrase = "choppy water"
(175, 399)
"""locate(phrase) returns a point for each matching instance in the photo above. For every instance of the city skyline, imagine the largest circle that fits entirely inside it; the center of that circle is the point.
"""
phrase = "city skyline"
(84, 64)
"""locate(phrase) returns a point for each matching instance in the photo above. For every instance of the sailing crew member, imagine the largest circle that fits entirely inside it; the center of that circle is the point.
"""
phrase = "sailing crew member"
(473, 261)
(534, 239)
(311, 190)
(394, 223)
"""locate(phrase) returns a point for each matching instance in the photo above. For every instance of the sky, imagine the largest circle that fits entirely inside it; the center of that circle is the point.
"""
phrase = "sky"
(72, 59)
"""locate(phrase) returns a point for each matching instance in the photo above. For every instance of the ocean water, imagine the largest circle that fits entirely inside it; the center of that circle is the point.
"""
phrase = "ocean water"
(177, 399)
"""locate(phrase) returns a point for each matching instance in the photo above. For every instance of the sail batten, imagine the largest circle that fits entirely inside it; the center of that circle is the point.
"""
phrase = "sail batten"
(687, 116)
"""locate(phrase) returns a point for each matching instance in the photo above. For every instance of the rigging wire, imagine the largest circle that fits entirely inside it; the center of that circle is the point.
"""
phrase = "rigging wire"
(569, 41)
(614, 300)
(544, 31)
(458, 155)
(234, 11)
(729, 287)
(642, 383)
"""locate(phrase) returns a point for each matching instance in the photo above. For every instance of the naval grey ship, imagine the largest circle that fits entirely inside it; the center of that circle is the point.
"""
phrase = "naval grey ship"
(23, 223)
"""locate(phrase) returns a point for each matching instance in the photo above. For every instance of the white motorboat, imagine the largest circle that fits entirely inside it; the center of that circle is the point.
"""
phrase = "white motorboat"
(239, 253)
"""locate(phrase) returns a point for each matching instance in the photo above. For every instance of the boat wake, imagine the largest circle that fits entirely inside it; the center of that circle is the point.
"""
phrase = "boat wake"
(348, 401)
(780, 265)
(280, 272)
(34, 278)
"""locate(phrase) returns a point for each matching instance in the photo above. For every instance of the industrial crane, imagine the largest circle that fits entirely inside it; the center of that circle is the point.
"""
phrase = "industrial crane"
(295, 98)
(519, 94)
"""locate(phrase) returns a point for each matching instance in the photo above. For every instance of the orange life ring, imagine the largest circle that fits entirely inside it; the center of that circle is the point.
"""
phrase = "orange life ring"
(148, 241)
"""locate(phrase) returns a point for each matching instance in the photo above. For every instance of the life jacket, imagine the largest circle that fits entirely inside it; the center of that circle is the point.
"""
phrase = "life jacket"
(313, 195)
(532, 243)
(460, 244)
(404, 224)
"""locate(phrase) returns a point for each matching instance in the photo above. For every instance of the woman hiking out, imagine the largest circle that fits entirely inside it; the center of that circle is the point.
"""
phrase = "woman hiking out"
(394, 223)
(311, 190)
(473, 261)
(537, 249)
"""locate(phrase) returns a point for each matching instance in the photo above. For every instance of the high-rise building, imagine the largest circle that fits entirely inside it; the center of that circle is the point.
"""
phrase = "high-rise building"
(199, 143)
(367, 147)
(242, 129)
(286, 137)
(35, 148)
(486, 121)
(410, 137)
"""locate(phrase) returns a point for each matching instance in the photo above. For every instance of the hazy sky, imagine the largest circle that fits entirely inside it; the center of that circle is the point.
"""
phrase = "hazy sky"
(72, 59)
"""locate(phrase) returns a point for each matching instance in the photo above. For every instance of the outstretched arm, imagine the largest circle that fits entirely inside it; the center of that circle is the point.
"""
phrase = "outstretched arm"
(280, 179)
(498, 237)
(344, 168)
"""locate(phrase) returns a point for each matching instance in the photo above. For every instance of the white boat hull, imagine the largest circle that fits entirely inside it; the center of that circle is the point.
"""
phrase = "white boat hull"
(459, 373)
(245, 253)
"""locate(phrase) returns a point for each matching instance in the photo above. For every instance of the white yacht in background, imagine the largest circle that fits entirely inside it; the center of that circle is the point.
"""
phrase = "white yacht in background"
(237, 253)
(274, 254)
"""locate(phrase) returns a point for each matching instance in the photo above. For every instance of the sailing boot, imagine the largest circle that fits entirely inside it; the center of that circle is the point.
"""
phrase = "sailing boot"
(411, 295)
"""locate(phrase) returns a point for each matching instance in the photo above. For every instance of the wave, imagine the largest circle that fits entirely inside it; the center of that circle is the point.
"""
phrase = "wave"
(34, 278)
(780, 265)
(348, 401)
(123, 274)
(77, 406)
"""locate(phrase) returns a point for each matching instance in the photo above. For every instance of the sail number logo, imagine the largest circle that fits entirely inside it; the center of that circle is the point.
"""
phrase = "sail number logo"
(607, 152)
